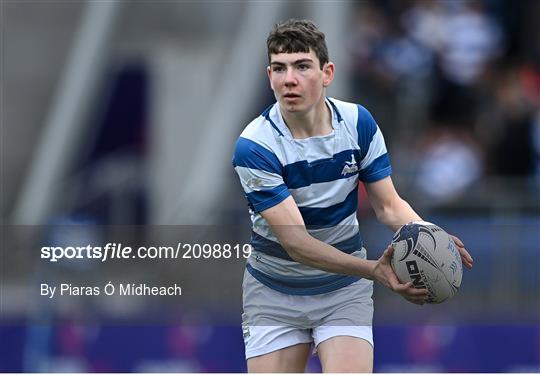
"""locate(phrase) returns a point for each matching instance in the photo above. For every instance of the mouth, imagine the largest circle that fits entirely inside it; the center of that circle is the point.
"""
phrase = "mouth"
(291, 96)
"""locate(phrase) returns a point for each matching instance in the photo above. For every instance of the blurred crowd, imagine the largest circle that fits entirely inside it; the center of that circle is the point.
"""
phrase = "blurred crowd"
(455, 87)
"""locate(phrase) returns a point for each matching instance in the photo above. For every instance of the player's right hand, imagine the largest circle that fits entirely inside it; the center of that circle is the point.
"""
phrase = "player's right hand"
(383, 273)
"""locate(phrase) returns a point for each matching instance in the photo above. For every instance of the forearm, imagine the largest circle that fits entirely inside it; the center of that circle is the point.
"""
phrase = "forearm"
(308, 250)
(288, 226)
(396, 214)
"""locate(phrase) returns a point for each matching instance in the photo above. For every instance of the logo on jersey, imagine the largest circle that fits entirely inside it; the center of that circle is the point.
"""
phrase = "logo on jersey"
(350, 166)
(255, 183)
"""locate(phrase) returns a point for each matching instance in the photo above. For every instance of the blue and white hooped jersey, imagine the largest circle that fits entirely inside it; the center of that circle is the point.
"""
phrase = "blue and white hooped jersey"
(322, 175)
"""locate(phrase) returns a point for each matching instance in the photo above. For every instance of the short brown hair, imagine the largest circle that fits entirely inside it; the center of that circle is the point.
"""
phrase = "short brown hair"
(297, 36)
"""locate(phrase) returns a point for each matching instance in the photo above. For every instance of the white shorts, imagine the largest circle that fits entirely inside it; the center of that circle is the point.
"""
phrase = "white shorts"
(273, 320)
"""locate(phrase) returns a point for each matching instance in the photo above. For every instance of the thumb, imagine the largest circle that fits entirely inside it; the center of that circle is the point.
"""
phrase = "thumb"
(388, 252)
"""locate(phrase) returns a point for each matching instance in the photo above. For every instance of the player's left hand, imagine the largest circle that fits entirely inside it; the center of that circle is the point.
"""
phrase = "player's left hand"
(466, 258)
(383, 273)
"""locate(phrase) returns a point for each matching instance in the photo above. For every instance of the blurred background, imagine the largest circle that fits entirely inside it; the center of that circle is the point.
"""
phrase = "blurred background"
(126, 113)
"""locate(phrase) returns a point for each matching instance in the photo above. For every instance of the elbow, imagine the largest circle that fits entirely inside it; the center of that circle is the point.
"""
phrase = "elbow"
(295, 246)
(293, 249)
(388, 213)
(383, 214)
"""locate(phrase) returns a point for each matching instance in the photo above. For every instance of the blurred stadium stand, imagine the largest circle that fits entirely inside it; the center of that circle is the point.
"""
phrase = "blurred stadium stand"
(454, 85)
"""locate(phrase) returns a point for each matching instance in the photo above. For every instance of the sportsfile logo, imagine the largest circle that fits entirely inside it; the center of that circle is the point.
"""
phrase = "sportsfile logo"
(350, 166)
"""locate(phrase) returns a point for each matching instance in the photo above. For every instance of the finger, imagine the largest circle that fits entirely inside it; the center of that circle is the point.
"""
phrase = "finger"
(413, 292)
(423, 296)
(467, 263)
(416, 301)
(457, 241)
(397, 286)
(409, 291)
(466, 257)
(464, 253)
(417, 297)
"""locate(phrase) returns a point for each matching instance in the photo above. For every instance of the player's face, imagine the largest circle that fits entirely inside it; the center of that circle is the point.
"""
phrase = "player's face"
(298, 80)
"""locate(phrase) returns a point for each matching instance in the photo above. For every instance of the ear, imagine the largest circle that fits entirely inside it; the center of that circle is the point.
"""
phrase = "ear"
(269, 73)
(328, 73)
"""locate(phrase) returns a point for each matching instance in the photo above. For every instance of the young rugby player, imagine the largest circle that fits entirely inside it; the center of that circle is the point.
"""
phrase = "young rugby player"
(300, 162)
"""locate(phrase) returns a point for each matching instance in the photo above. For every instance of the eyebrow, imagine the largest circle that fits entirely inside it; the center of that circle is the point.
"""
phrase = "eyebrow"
(296, 62)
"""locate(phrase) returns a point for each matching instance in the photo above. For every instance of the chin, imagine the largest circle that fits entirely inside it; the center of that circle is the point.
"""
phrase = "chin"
(292, 108)
(295, 111)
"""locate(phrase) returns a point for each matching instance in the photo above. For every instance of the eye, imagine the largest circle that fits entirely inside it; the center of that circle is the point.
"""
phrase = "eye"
(303, 66)
(277, 68)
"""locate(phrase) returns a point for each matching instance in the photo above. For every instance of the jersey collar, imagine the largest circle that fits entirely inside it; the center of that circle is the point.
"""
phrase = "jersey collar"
(273, 115)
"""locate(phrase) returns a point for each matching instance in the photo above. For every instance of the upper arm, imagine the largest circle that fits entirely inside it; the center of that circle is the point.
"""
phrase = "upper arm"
(381, 193)
(286, 222)
(284, 213)
(375, 169)
(261, 177)
(374, 160)
(260, 173)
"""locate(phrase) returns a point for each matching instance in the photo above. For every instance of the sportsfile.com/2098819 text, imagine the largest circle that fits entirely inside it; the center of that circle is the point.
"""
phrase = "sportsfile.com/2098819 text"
(117, 251)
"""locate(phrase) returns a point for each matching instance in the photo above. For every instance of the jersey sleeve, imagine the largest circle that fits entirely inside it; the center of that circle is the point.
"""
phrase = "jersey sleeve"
(375, 163)
(261, 175)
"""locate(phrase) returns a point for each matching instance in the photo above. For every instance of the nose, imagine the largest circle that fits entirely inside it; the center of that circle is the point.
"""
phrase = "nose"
(290, 77)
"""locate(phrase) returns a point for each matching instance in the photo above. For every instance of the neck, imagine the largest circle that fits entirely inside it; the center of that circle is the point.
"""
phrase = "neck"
(315, 122)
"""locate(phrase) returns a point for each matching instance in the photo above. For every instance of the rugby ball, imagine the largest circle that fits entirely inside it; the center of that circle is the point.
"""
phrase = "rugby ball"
(426, 255)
